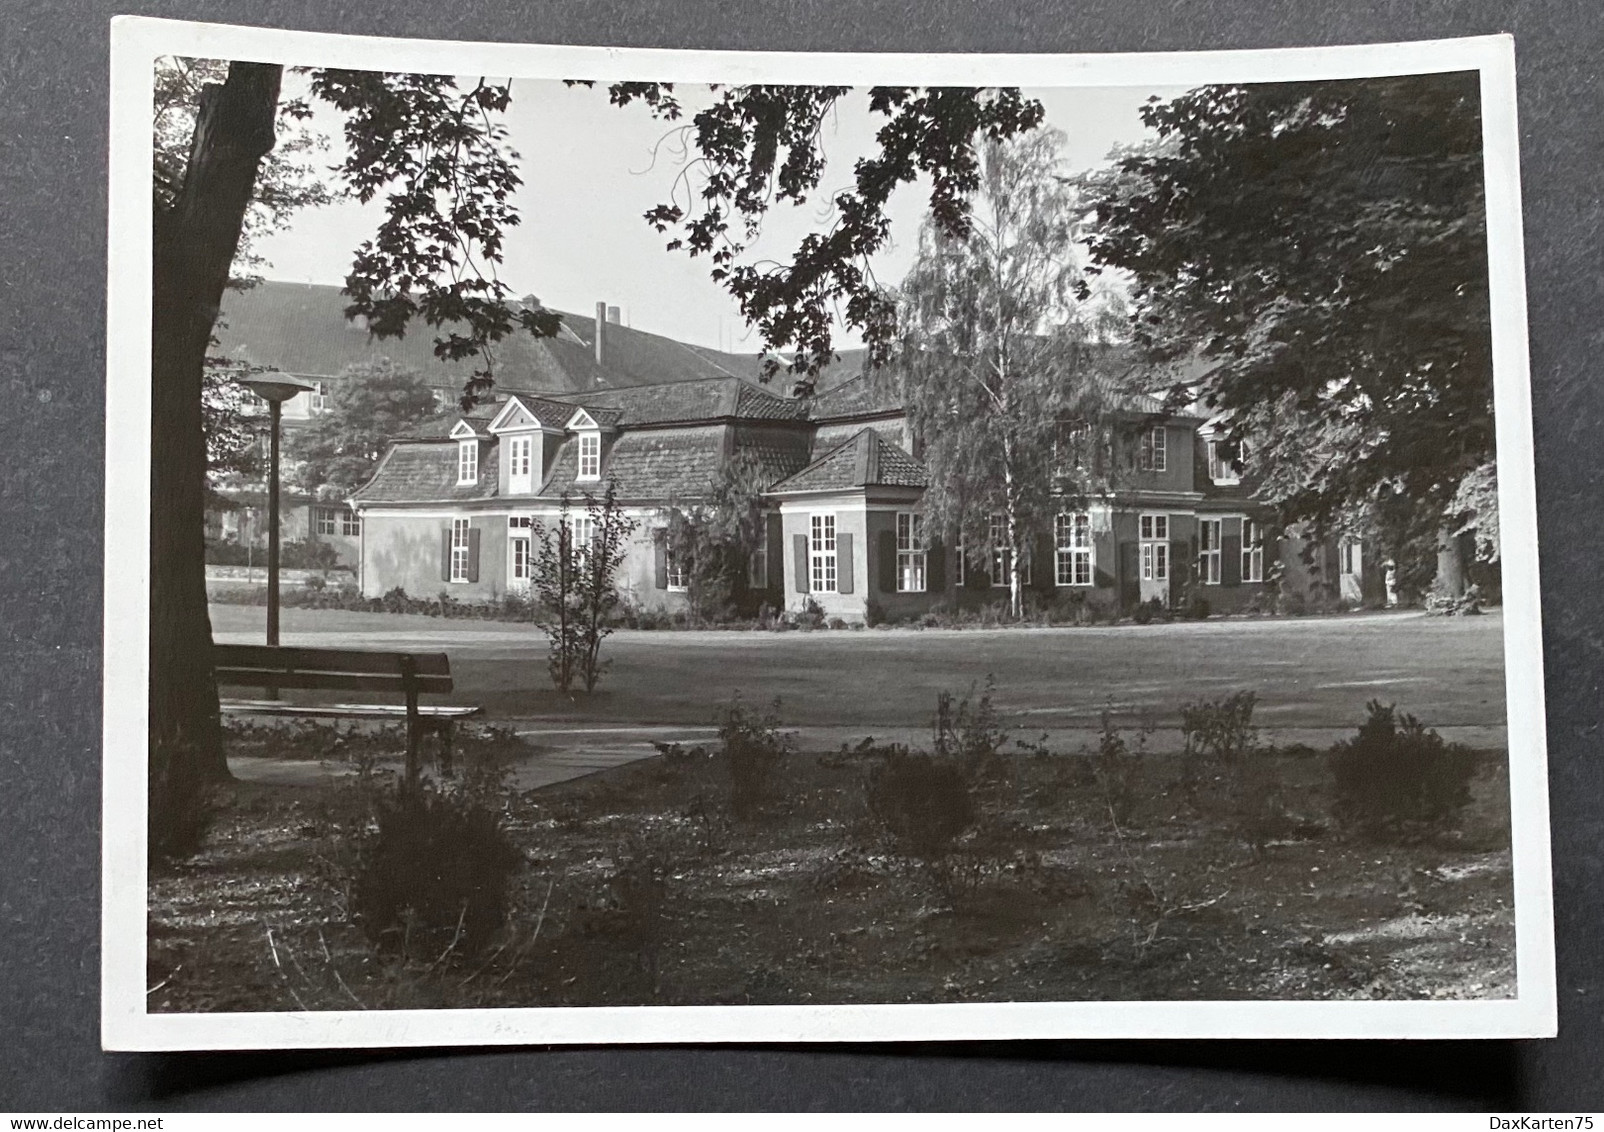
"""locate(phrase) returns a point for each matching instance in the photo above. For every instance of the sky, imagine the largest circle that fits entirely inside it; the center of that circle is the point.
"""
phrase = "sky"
(591, 170)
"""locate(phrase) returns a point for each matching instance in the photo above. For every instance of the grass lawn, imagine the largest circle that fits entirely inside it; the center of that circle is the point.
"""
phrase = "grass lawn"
(1315, 672)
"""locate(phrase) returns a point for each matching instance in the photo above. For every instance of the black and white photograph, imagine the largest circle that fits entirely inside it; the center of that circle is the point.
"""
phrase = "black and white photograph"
(866, 547)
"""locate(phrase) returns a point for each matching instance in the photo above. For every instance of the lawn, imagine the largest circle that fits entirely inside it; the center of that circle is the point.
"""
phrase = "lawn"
(1315, 672)
(647, 884)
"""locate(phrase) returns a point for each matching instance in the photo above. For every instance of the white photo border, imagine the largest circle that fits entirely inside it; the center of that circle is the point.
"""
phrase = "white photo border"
(136, 42)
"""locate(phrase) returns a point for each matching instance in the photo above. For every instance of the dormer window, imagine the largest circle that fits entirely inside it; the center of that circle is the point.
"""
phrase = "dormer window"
(1224, 458)
(1154, 454)
(520, 462)
(590, 455)
(467, 462)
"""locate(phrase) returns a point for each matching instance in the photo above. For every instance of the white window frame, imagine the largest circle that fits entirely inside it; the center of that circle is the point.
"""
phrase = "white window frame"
(1155, 449)
(1000, 563)
(520, 550)
(459, 549)
(467, 462)
(1210, 533)
(678, 578)
(350, 523)
(323, 521)
(1072, 540)
(520, 463)
(316, 398)
(1252, 551)
(960, 565)
(589, 456)
(1153, 533)
(822, 573)
(581, 534)
(1350, 553)
(912, 574)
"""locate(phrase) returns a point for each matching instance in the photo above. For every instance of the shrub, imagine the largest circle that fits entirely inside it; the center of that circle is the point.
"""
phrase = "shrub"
(811, 616)
(1197, 609)
(1116, 768)
(753, 748)
(969, 729)
(1395, 775)
(1219, 730)
(433, 876)
(873, 614)
(837, 623)
(924, 803)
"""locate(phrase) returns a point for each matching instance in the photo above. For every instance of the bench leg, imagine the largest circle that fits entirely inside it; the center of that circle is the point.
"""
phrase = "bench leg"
(447, 731)
(414, 724)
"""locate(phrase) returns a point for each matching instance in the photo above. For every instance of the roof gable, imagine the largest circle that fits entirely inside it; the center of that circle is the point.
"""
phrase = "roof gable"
(462, 430)
(864, 460)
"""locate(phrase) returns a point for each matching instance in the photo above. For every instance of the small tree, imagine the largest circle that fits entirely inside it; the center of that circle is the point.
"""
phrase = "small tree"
(716, 537)
(600, 559)
(575, 569)
(370, 405)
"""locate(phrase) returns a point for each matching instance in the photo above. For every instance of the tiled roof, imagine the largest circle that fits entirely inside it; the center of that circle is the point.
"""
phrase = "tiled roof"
(864, 395)
(426, 471)
(866, 460)
(301, 328)
(687, 401)
(659, 463)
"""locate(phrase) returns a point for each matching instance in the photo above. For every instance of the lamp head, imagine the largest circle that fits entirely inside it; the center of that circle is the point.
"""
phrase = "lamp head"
(276, 387)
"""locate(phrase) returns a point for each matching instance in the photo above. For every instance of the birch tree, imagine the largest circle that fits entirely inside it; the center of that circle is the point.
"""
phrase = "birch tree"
(998, 358)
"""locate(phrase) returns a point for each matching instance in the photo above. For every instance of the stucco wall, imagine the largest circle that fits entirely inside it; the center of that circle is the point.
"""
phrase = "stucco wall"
(405, 550)
(850, 519)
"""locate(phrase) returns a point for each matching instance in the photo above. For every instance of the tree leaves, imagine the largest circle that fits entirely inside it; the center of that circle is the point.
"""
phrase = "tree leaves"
(759, 146)
(1323, 245)
(440, 156)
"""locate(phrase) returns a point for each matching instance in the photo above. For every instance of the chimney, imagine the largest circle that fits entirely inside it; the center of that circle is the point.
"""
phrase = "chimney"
(601, 321)
(612, 315)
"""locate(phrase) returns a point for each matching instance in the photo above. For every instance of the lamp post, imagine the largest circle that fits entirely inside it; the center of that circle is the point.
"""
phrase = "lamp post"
(275, 389)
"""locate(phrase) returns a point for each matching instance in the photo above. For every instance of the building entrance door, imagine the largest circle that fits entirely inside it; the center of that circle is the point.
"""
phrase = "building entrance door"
(1154, 560)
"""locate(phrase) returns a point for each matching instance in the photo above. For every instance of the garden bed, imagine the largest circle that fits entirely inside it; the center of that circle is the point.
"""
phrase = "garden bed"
(642, 886)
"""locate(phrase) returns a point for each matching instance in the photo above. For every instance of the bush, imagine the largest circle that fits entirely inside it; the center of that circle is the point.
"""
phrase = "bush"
(433, 876)
(1395, 776)
(1116, 768)
(924, 803)
(837, 623)
(969, 729)
(1148, 611)
(753, 748)
(1219, 730)
(873, 614)
(811, 616)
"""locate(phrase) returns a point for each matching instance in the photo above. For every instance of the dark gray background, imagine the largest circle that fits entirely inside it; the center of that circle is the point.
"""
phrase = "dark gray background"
(53, 84)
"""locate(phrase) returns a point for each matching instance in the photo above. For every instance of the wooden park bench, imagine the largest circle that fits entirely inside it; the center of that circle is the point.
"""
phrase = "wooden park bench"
(346, 670)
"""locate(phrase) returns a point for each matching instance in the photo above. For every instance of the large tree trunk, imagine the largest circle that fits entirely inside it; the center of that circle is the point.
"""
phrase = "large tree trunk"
(1450, 563)
(195, 240)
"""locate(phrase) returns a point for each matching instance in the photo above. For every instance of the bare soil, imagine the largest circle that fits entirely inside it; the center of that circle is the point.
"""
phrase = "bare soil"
(641, 887)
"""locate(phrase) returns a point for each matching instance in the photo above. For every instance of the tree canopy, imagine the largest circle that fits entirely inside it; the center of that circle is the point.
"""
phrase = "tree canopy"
(996, 352)
(1323, 246)
(369, 405)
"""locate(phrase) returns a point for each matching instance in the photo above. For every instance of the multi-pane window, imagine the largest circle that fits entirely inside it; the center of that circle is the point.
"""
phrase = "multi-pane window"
(1072, 536)
(960, 565)
(520, 560)
(1071, 442)
(1208, 551)
(589, 455)
(679, 577)
(1350, 553)
(1155, 544)
(910, 553)
(1002, 557)
(350, 523)
(325, 520)
(459, 550)
(317, 398)
(1154, 454)
(582, 533)
(467, 461)
(821, 554)
(520, 460)
(1252, 551)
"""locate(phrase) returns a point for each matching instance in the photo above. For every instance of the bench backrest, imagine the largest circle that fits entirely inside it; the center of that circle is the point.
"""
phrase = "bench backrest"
(354, 670)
